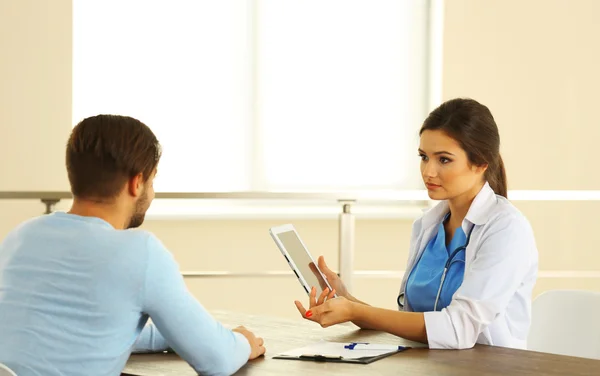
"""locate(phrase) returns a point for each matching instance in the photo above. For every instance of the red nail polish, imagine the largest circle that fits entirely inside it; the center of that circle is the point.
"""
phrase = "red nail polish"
(308, 313)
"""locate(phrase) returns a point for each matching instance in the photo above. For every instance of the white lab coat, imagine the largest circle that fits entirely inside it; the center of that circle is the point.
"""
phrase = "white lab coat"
(493, 304)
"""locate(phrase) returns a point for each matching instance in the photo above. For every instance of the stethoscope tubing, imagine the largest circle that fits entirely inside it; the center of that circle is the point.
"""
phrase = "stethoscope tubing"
(446, 267)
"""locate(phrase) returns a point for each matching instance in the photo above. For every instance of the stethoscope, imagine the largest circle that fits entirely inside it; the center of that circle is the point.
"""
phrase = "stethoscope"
(400, 299)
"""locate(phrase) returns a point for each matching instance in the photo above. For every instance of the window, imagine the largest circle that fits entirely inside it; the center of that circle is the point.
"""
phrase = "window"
(341, 93)
(262, 95)
(181, 67)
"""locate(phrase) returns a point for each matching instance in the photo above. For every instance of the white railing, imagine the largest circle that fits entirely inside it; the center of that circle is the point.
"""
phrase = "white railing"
(346, 218)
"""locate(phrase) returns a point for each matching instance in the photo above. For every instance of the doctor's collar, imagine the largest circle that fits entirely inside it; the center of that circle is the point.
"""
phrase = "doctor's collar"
(480, 209)
(478, 214)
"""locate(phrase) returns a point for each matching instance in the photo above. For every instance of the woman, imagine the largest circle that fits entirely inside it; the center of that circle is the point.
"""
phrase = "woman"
(473, 259)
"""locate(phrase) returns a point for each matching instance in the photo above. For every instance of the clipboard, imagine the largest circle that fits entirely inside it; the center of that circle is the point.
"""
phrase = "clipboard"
(336, 352)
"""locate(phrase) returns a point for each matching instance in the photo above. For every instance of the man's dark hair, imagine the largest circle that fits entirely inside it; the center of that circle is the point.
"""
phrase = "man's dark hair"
(105, 151)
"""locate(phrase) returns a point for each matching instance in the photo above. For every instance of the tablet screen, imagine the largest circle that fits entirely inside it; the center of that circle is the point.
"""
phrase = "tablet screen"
(301, 258)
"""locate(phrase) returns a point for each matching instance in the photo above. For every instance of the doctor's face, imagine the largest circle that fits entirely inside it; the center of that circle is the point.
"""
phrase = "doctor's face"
(445, 167)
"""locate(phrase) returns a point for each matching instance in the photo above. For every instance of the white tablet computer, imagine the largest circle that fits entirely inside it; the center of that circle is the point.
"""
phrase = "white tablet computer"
(298, 258)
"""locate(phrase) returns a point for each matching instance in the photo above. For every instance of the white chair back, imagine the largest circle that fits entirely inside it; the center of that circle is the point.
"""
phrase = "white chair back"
(5, 371)
(566, 322)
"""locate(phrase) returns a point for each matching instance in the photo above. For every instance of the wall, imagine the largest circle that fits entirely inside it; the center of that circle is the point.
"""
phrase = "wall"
(35, 101)
(35, 94)
(535, 64)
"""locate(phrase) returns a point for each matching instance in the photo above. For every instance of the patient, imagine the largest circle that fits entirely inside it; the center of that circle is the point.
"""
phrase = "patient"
(77, 288)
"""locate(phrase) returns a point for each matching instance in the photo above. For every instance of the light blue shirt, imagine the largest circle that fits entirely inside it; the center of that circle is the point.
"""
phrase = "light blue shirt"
(75, 295)
(424, 280)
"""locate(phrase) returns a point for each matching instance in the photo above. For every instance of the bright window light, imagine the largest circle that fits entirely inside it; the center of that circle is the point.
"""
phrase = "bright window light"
(181, 68)
(262, 95)
(342, 92)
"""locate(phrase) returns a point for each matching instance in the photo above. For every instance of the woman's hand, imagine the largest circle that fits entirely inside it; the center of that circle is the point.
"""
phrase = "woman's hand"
(312, 299)
(329, 312)
(334, 280)
(338, 287)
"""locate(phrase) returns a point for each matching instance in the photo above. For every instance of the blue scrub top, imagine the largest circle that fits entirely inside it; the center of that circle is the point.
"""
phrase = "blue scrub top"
(424, 280)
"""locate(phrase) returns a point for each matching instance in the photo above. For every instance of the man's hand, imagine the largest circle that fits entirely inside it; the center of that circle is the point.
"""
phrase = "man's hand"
(256, 343)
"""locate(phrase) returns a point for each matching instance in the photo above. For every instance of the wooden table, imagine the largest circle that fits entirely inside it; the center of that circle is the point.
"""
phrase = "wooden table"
(282, 335)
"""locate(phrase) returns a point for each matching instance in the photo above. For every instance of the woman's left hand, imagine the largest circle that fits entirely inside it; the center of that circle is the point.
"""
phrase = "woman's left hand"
(331, 312)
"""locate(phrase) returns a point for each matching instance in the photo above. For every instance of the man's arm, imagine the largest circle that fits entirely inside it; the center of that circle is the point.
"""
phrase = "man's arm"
(150, 341)
(209, 347)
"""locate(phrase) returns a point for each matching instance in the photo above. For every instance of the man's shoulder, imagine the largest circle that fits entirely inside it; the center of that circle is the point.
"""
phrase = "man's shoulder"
(27, 226)
(144, 242)
(139, 241)
(32, 223)
(153, 245)
(144, 238)
(132, 249)
(52, 230)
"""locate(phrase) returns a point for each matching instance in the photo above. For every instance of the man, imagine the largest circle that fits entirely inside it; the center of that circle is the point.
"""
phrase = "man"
(77, 288)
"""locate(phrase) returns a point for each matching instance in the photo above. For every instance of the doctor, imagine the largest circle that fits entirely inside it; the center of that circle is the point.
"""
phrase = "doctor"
(473, 259)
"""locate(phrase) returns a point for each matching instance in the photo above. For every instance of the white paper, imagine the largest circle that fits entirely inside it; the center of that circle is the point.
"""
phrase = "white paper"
(336, 349)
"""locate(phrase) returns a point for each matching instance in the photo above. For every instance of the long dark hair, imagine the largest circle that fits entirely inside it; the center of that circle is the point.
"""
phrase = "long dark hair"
(472, 125)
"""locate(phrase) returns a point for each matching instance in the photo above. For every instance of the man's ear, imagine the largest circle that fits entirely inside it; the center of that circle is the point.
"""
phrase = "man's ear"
(136, 185)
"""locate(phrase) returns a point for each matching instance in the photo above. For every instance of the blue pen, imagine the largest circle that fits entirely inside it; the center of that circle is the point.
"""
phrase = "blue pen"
(368, 346)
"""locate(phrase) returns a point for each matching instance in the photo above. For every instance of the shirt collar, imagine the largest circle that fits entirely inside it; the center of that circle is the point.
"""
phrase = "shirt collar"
(478, 214)
(76, 217)
(481, 208)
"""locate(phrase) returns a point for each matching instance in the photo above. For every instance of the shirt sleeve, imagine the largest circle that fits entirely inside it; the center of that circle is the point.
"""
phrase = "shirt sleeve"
(502, 263)
(150, 340)
(209, 347)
